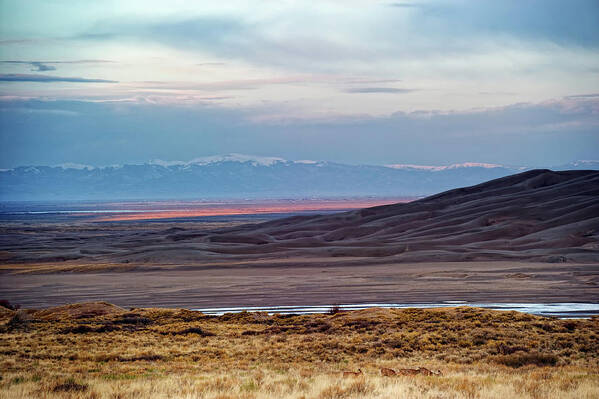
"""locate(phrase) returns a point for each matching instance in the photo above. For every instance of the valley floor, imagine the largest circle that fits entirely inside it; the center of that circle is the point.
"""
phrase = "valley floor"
(297, 281)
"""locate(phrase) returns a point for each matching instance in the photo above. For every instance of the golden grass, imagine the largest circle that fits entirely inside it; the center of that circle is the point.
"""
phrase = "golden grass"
(102, 351)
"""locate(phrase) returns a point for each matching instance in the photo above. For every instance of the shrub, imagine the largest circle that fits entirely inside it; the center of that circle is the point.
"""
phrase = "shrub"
(334, 309)
(108, 327)
(17, 380)
(190, 330)
(79, 329)
(69, 385)
(358, 388)
(148, 356)
(133, 319)
(317, 326)
(520, 359)
(570, 325)
(6, 304)
(20, 321)
(360, 324)
(505, 349)
(84, 329)
(332, 392)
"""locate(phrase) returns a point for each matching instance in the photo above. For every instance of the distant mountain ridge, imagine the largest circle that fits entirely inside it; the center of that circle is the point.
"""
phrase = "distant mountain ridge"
(433, 168)
(244, 176)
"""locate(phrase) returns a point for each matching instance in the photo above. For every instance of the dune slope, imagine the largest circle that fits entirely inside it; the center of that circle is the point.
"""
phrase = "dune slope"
(536, 215)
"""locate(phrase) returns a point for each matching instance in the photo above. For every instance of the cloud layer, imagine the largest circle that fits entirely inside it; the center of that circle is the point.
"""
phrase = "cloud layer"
(378, 90)
(21, 77)
(51, 132)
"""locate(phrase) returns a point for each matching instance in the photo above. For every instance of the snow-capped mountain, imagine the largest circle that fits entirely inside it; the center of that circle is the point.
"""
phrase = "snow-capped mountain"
(243, 176)
(447, 167)
(254, 160)
(580, 165)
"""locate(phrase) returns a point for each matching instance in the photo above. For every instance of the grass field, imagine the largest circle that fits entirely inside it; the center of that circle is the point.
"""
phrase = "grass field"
(98, 350)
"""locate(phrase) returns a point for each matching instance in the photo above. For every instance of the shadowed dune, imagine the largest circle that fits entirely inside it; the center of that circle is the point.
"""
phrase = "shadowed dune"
(536, 215)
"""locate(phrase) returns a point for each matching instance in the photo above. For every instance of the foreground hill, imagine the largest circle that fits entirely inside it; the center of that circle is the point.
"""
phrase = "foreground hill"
(98, 350)
(536, 215)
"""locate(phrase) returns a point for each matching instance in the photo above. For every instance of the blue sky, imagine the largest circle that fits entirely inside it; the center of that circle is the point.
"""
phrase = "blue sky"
(356, 81)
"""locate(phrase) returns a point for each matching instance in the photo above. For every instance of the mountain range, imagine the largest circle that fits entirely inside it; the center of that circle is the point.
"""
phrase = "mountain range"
(244, 176)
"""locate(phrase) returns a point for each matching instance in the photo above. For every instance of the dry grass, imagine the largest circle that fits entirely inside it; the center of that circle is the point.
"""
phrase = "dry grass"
(101, 351)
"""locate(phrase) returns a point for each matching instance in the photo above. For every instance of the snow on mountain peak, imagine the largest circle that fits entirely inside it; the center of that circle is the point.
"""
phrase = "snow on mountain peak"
(165, 164)
(233, 157)
(78, 166)
(583, 162)
(433, 168)
(415, 167)
(306, 162)
(474, 165)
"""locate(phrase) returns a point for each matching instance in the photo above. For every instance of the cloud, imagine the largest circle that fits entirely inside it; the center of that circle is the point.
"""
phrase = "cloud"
(21, 77)
(40, 67)
(333, 81)
(406, 5)
(590, 95)
(210, 64)
(546, 20)
(106, 133)
(178, 32)
(26, 110)
(497, 93)
(378, 90)
(80, 62)
(432, 32)
(446, 48)
(242, 84)
(21, 41)
(44, 66)
(368, 81)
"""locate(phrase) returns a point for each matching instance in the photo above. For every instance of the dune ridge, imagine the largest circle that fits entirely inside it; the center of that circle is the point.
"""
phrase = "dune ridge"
(537, 215)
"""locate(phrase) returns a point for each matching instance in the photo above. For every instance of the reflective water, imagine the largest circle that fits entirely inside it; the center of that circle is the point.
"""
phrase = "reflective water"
(561, 310)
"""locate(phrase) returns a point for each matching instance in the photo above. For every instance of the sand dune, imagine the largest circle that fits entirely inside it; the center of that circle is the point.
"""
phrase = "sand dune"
(538, 215)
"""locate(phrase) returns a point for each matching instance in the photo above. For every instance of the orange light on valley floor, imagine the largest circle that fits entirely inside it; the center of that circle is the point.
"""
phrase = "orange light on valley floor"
(252, 209)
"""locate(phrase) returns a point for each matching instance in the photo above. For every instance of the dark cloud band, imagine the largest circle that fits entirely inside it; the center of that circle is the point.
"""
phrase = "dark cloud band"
(18, 77)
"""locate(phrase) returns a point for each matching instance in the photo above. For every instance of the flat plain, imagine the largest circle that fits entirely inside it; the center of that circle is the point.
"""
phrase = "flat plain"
(296, 282)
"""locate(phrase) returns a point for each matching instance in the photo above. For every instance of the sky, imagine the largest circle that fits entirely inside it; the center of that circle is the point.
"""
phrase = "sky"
(355, 81)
